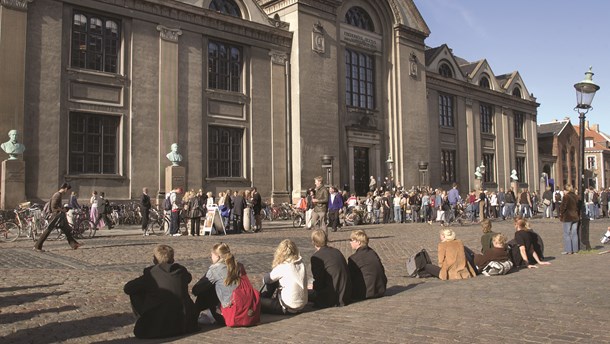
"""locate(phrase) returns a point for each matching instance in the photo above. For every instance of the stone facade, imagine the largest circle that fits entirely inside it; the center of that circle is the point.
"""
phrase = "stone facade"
(558, 152)
(597, 156)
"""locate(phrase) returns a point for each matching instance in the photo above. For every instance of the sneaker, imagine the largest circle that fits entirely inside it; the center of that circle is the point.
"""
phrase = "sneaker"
(177, 234)
(206, 318)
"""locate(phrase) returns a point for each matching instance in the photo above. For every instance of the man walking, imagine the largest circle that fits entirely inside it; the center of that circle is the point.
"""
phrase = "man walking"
(58, 219)
(320, 202)
(335, 205)
(145, 209)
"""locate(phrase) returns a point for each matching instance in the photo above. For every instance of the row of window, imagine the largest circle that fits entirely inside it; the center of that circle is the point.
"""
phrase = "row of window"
(446, 71)
(94, 146)
(447, 117)
(449, 167)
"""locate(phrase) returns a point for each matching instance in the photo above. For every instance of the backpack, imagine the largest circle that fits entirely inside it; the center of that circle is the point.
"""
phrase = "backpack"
(557, 197)
(167, 204)
(46, 210)
(417, 262)
(245, 307)
(495, 268)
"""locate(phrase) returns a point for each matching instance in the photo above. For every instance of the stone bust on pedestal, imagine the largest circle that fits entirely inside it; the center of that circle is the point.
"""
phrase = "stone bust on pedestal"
(12, 147)
(174, 156)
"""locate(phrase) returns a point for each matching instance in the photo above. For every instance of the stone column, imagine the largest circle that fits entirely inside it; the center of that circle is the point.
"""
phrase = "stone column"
(279, 132)
(471, 136)
(13, 27)
(168, 95)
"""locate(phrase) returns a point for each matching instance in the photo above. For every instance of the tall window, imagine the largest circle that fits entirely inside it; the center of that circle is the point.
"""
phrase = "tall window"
(359, 79)
(520, 162)
(448, 166)
(445, 70)
(96, 42)
(224, 66)
(490, 174)
(358, 17)
(484, 82)
(519, 118)
(517, 92)
(228, 7)
(486, 118)
(445, 105)
(225, 152)
(591, 163)
(93, 144)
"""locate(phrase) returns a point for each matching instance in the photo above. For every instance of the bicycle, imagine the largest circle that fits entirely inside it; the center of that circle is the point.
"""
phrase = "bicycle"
(28, 220)
(9, 231)
(298, 218)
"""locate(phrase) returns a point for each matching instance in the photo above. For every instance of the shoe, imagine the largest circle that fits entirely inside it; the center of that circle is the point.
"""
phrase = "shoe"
(77, 246)
(38, 249)
(177, 234)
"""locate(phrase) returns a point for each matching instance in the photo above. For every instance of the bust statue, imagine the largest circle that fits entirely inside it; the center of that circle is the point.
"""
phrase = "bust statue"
(174, 156)
(478, 174)
(12, 147)
(513, 175)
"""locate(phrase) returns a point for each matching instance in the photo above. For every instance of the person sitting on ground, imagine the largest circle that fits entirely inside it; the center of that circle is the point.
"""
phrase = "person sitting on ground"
(285, 290)
(365, 268)
(451, 259)
(214, 291)
(160, 298)
(524, 245)
(497, 252)
(486, 242)
(332, 285)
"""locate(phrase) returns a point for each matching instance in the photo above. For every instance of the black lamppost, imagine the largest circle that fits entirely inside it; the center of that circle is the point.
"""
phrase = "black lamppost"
(585, 91)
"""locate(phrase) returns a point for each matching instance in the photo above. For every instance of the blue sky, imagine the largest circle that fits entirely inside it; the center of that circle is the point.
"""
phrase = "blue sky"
(551, 43)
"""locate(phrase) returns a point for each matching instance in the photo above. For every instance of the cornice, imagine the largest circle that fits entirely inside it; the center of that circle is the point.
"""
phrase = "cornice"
(19, 5)
(329, 6)
(278, 34)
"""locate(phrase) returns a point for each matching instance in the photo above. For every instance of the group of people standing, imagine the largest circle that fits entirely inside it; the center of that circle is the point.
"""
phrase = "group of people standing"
(224, 295)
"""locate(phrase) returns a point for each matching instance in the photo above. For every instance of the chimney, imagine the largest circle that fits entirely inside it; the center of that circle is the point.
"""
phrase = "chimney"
(587, 124)
(596, 127)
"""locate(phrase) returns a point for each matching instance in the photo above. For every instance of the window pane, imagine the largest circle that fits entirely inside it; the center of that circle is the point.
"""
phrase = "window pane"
(96, 43)
(224, 63)
(224, 152)
(359, 80)
(93, 144)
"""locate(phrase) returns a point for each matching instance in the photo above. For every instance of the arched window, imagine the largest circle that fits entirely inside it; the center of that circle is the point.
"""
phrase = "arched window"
(484, 82)
(517, 92)
(358, 17)
(228, 7)
(445, 70)
(96, 42)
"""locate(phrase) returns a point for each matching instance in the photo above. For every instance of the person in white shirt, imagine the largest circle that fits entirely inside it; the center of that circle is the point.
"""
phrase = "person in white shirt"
(286, 285)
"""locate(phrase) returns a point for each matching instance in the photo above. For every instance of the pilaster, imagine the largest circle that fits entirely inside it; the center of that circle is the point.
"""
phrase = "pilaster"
(279, 124)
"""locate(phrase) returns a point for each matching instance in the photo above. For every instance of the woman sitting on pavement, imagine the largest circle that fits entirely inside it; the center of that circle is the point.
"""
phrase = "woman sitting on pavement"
(486, 238)
(365, 268)
(285, 290)
(451, 258)
(497, 252)
(524, 246)
(214, 291)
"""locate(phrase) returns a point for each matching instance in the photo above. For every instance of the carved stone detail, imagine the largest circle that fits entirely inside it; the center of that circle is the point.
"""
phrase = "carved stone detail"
(20, 5)
(168, 34)
(278, 57)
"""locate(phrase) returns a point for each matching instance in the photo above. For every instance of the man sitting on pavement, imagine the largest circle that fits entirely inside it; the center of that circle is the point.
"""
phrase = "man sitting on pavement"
(365, 268)
(332, 286)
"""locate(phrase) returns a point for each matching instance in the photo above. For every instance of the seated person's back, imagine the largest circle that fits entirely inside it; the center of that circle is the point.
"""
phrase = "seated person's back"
(160, 298)
(332, 285)
(367, 273)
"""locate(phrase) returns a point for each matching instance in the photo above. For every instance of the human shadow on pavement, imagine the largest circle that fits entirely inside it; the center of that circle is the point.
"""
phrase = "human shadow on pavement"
(397, 289)
(39, 286)
(56, 332)
(370, 238)
(8, 318)
(12, 300)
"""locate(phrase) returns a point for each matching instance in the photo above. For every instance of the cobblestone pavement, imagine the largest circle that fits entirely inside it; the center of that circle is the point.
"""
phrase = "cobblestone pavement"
(76, 296)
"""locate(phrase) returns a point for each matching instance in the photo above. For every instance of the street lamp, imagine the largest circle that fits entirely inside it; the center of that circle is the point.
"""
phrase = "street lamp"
(585, 91)
(390, 164)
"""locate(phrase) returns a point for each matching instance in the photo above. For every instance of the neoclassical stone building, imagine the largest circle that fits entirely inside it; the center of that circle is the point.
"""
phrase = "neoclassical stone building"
(268, 93)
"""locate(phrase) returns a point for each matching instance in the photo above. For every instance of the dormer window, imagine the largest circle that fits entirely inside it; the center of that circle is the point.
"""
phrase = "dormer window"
(358, 17)
(589, 142)
(228, 7)
(517, 92)
(484, 82)
(445, 70)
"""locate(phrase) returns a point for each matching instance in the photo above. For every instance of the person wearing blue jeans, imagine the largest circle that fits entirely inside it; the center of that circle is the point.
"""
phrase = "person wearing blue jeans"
(569, 216)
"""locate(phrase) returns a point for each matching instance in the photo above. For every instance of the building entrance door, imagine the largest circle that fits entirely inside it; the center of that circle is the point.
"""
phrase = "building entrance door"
(361, 170)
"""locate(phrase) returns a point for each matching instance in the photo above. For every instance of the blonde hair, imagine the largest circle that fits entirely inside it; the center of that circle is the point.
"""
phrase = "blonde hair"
(448, 233)
(224, 253)
(163, 254)
(523, 225)
(360, 236)
(286, 251)
(499, 239)
(319, 238)
(486, 226)
(568, 188)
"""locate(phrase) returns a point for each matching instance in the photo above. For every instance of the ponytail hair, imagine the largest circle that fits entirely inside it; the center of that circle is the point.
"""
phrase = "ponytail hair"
(233, 270)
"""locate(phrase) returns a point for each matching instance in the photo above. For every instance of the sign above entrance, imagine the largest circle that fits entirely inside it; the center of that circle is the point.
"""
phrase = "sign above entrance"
(368, 40)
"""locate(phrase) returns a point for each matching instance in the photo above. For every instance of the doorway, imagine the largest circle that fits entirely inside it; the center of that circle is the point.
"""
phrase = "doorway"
(361, 170)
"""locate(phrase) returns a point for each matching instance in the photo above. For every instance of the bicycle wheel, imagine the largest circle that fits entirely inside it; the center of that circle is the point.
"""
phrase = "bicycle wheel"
(160, 227)
(297, 222)
(87, 229)
(9, 231)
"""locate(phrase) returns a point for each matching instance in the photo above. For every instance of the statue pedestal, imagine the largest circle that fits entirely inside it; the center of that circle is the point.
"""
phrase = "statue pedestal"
(478, 184)
(175, 177)
(515, 186)
(12, 187)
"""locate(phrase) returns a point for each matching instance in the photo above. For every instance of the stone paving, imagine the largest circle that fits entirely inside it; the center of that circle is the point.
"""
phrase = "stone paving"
(76, 296)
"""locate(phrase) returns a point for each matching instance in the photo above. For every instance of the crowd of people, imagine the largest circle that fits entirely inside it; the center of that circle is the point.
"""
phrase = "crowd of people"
(224, 294)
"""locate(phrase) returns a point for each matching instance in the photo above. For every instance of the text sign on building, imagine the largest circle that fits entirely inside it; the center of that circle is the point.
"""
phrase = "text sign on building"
(368, 40)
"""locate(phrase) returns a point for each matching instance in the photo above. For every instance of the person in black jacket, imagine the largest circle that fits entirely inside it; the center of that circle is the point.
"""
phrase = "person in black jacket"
(365, 269)
(160, 298)
(146, 205)
(257, 206)
(332, 285)
(58, 219)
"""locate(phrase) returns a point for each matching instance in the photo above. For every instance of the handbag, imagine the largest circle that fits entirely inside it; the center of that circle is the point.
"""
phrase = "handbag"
(546, 202)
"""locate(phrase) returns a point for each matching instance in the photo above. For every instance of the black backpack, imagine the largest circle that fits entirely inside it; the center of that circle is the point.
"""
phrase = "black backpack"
(417, 262)
(167, 205)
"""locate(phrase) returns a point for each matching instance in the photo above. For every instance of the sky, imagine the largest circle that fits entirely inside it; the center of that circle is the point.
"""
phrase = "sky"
(551, 43)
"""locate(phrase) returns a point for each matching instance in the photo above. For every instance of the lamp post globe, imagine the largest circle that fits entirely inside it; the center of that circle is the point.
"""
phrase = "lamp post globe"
(585, 91)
